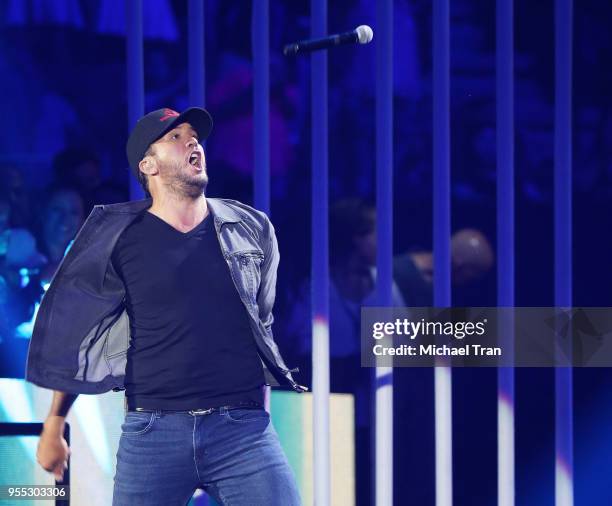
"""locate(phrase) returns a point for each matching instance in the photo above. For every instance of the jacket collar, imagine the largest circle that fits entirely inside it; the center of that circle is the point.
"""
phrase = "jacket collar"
(221, 210)
(131, 207)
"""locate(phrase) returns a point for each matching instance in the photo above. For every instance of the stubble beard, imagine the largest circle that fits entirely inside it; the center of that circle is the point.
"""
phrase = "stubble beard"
(184, 185)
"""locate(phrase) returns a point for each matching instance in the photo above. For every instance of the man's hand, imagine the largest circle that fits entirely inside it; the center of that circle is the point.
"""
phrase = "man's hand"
(53, 450)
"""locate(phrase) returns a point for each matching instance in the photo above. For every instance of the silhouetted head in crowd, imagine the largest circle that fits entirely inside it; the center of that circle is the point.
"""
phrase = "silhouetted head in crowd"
(77, 167)
(110, 193)
(14, 192)
(17, 247)
(352, 242)
(471, 258)
(353, 245)
(352, 226)
(471, 255)
(61, 216)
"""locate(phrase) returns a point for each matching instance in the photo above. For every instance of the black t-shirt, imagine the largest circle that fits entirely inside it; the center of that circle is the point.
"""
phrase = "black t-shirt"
(191, 342)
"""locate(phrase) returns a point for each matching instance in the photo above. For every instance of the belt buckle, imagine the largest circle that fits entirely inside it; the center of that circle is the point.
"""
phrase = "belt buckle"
(201, 411)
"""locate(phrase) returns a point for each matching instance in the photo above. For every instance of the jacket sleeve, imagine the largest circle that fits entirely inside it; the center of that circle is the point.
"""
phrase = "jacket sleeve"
(269, 267)
(267, 291)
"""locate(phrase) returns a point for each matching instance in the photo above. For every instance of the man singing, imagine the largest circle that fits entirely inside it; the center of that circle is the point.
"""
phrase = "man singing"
(170, 298)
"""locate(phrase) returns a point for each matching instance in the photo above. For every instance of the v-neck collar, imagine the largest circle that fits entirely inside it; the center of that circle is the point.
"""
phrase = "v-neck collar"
(189, 233)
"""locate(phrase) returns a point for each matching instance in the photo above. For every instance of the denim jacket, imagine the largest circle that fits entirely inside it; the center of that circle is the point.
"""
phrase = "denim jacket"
(82, 332)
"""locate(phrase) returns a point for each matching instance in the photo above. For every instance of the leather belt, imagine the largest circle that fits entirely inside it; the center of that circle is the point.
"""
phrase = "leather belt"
(199, 411)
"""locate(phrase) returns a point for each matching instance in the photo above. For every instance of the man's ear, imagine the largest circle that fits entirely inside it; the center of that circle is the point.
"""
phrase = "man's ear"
(148, 166)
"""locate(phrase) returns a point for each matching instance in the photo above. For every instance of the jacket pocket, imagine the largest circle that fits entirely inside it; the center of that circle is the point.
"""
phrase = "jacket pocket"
(246, 267)
(250, 266)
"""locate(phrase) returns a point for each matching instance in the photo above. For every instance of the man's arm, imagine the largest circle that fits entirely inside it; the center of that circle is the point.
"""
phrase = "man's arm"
(267, 287)
(53, 450)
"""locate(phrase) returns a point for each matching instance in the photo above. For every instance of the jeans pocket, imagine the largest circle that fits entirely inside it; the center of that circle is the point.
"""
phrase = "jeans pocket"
(137, 423)
(247, 415)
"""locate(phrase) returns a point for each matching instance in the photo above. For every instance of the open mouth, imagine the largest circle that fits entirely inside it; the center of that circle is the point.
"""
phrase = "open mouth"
(194, 159)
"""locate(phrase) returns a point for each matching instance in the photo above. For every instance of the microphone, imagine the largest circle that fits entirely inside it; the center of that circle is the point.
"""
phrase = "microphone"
(363, 34)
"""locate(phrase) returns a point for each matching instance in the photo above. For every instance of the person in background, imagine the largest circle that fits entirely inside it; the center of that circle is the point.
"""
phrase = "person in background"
(14, 193)
(109, 192)
(18, 259)
(80, 169)
(352, 254)
(472, 258)
(353, 249)
(61, 216)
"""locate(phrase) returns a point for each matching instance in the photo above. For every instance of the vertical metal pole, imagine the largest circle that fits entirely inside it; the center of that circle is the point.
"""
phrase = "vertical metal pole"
(505, 249)
(441, 233)
(564, 488)
(320, 260)
(196, 53)
(384, 240)
(261, 104)
(261, 114)
(135, 75)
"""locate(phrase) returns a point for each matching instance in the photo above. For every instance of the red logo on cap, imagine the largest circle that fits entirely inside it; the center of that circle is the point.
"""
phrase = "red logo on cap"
(168, 113)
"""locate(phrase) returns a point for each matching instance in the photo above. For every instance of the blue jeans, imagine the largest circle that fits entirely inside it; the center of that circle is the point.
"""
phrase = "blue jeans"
(234, 455)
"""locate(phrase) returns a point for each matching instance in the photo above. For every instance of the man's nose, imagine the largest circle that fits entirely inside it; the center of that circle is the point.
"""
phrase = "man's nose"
(192, 142)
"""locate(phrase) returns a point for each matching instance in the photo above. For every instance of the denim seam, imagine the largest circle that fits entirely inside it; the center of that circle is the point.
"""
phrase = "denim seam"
(248, 420)
(146, 429)
(195, 462)
(224, 501)
(214, 488)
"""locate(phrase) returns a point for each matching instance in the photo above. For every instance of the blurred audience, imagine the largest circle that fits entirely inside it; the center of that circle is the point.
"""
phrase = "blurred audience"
(471, 258)
(353, 248)
(61, 217)
(352, 229)
(78, 168)
(15, 193)
(17, 252)
(28, 261)
(109, 192)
